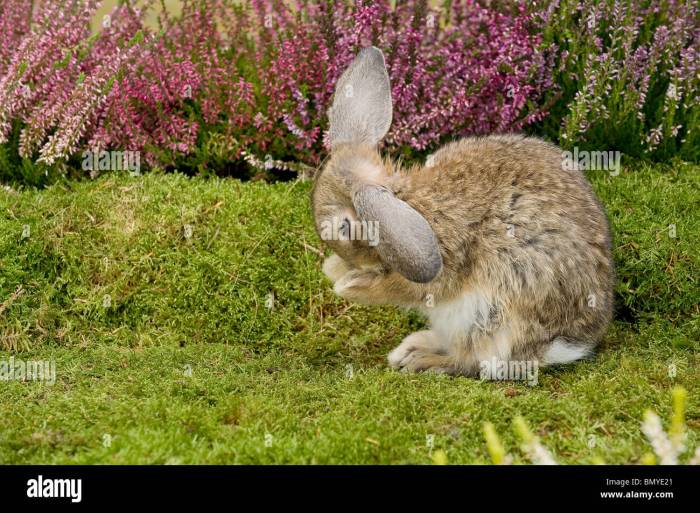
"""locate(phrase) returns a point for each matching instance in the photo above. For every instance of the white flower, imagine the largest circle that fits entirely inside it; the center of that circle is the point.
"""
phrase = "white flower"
(671, 92)
(658, 439)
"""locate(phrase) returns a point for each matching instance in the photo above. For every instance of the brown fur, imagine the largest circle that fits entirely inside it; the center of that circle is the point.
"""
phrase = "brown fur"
(513, 227)
(475, 191)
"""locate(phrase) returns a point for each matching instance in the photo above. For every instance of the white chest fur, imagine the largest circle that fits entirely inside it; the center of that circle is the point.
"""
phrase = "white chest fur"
(462, 327)
(454, 320)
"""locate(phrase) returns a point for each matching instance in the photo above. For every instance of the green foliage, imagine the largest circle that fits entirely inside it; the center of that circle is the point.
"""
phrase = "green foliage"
(655, 214)
(23, 171)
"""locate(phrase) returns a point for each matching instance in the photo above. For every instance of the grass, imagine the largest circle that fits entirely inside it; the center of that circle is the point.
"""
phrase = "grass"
(188, 360)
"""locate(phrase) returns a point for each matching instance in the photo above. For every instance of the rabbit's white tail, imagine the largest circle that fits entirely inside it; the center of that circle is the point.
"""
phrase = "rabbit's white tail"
(565, 350)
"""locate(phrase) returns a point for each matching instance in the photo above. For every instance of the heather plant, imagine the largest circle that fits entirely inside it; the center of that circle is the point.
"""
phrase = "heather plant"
(457, 69)
(15, 18)
(227, 82)
(626, 75)
(58, 81)
(226, 86)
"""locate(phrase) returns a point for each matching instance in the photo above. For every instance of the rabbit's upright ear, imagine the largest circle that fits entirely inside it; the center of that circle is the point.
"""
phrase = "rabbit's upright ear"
(406, 241)
(361, 110)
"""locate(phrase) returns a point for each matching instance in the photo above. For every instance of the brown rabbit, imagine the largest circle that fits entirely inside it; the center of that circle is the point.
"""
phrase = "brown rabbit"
(505, 251)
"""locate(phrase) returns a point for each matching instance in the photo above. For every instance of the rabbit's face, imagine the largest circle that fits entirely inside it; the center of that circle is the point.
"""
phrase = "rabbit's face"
(337, 221)
(356, 211)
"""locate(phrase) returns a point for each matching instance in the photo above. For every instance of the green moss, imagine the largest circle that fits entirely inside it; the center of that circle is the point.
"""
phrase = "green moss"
(304, 381)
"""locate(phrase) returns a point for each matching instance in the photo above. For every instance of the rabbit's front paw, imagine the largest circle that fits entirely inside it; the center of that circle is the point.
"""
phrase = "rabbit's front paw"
(335, 267)
(421, 351)
(359, 285)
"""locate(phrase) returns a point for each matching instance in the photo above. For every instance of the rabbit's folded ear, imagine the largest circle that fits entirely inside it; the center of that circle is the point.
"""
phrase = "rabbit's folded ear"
(361, 110)
(406, 242)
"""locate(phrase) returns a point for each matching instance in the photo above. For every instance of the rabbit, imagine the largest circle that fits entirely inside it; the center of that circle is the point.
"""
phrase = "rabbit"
(499, 242)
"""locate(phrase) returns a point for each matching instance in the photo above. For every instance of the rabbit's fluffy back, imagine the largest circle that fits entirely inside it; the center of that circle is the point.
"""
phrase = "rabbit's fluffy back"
(525, 234)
